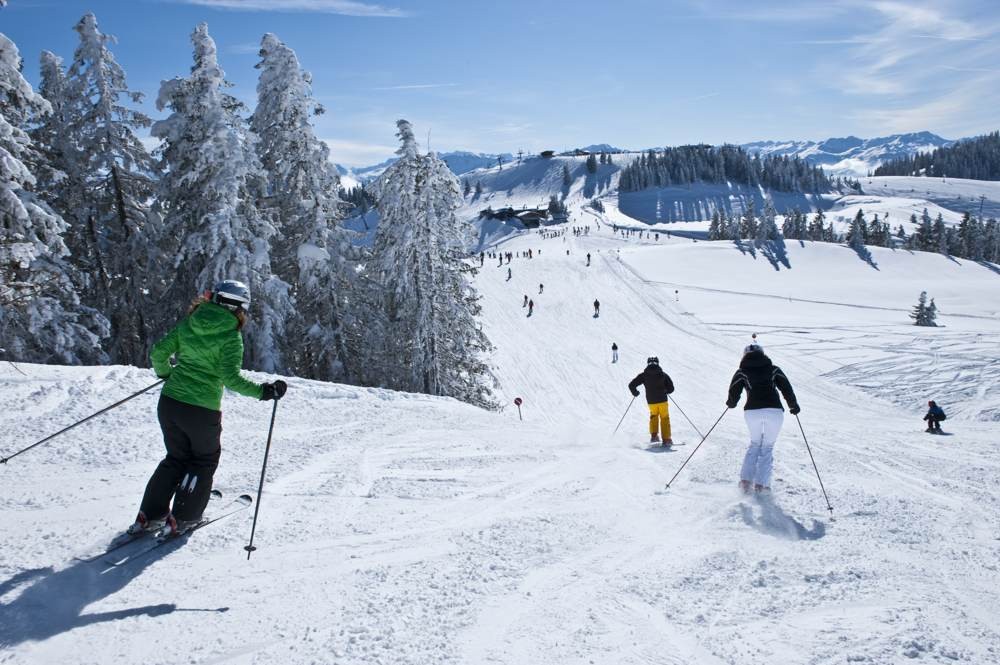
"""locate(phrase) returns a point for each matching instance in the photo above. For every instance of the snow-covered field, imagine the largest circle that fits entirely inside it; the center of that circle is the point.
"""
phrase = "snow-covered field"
(406, 529)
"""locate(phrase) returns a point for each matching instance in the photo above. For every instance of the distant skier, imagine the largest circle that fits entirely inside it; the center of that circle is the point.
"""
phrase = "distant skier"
(762, 412)
(531, 307)
(597, 308)
(541, 287)
(614, 352)
(208, 346)
(525, 300)
(658, 385)
(588, 258)
(935, 414)
(508, 274)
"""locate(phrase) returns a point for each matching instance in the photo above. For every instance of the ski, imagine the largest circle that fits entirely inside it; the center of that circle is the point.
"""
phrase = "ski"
(125, 538)
(240, 503)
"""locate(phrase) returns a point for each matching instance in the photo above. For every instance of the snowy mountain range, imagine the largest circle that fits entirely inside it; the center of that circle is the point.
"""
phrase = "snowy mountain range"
(459, 161)
(851, 155)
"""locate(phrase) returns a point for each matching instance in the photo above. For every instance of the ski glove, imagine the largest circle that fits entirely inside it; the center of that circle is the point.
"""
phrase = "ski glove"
(731, 405)
(274, 390)
(635, 393)
(794, 410)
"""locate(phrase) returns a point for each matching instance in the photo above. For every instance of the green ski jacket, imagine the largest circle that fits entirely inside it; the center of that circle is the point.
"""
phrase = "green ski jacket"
(209, 352)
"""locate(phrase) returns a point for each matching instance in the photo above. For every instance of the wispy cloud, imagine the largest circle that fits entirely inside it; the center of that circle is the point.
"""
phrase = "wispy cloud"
(357, 153)
(247, 48)
(343, 7)
(697, 98)
(417, 86)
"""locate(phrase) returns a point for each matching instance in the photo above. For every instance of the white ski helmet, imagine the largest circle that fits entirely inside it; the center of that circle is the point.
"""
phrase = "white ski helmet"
(232, 295)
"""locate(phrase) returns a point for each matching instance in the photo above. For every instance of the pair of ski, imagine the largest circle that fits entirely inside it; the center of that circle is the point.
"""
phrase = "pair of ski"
(161, 537)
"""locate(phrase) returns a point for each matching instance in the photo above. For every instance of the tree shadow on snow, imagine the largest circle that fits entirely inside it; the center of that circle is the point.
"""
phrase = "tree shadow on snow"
(773, 521)
(54, 602)
(865, 255)
(776, 253)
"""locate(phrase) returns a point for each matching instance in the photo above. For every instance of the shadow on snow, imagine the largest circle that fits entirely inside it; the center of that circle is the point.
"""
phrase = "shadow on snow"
(774, 521)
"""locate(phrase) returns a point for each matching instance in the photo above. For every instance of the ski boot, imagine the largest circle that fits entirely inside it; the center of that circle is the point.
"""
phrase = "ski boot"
(143, 523)
(761, 489)
(667, 443)
(929, 430)
(176, 527)
(745, 486)
(654, 438)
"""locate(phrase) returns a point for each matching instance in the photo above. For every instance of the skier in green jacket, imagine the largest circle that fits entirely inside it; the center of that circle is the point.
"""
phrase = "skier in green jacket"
(208, 347)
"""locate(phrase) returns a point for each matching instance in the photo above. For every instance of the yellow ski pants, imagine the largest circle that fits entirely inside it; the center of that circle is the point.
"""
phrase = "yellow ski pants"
(659, 418)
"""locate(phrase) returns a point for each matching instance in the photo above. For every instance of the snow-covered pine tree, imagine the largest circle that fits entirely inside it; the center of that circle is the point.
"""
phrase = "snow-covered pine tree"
(211, 225)
(433, 342)
(940, 236)
(591, 164)
(466, 188)
(715, 231)
(41, 316)
(310, 250)
(924, 314)
(923, 238)
(856, 233)
(817, 229)
(567, 178)
(479, 188)
(767, 230)
(748, 223)
(108, 184)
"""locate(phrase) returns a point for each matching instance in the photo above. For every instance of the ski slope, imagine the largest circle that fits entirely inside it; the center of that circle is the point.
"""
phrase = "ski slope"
(400, 528)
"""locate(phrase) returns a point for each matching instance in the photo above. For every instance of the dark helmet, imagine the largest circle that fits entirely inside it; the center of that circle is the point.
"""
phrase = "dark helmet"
(932, 403)
(652, 360)
(232, 295)
(752, 348)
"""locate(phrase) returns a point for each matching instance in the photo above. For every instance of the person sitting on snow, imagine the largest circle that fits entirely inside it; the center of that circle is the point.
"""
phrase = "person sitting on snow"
(935, 414)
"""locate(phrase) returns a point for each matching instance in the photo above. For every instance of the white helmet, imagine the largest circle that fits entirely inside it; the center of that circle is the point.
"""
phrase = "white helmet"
(232, 295)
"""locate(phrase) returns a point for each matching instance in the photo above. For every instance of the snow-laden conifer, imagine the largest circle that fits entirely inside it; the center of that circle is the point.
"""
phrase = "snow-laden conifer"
(429, 306)
(301, 196)
(41, 317)
(212, 181)
(107, 185)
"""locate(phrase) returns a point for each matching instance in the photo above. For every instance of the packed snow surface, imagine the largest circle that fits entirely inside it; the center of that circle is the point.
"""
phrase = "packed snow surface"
(398, 528)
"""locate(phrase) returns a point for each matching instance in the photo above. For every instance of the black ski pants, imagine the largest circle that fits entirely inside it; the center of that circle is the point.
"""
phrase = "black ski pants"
(192, 436)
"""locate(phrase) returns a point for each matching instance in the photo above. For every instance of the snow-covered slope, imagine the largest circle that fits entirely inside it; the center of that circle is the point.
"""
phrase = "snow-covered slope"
(851, 155)
(400, 528)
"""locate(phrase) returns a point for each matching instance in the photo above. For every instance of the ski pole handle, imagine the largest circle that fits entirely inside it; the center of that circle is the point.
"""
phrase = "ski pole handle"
(4, 460)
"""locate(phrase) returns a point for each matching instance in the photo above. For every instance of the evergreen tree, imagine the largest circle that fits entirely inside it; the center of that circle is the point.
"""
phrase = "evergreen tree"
(817, 230)
(466, 188)
(924, 314)
(107, 186)
(566, 176)
(767, 230)
(591, 164)
(856, 234)
(301, 195)
(923, 238)
(41, 316)
(211, 226)
(748, 223)
(479, 188)
(939, 235)
(428, 305)
(715, 231)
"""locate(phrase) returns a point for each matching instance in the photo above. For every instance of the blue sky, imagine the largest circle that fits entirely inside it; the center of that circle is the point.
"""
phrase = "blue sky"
(537, 74)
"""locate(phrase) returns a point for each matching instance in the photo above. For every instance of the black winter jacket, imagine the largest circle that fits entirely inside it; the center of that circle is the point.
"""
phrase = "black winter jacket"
(657, 382)
(762, 381)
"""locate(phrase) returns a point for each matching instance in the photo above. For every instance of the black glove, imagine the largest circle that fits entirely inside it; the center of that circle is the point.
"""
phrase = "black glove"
(635, 393)
(730, 405)
(794, 410)
(274, 390)
(163, 377)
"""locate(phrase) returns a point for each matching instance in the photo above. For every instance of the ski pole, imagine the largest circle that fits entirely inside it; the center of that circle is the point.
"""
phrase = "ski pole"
(4, 460)
(263, 470)
(828, 506)
(623, 416)
(684, 414)
(697, 447)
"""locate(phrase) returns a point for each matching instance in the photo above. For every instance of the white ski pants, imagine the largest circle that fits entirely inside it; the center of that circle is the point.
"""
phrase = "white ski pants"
(764, 425)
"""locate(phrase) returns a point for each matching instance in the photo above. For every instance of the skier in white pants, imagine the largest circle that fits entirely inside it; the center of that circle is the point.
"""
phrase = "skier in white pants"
(764, 415)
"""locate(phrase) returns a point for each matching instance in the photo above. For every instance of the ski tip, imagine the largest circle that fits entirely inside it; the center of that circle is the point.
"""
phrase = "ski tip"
(244, 499)
(216, 494)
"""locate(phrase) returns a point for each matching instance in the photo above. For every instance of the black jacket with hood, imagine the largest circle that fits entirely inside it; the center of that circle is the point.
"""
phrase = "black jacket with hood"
(762, 381)
(657, 382)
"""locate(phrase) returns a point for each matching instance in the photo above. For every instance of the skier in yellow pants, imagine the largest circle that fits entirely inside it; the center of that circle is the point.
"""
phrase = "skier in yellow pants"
(658, 386)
